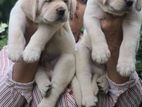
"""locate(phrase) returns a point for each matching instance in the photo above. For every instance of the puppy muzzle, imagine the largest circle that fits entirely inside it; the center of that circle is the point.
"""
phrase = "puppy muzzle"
(60, 11)
(61, 14)
(129, 3)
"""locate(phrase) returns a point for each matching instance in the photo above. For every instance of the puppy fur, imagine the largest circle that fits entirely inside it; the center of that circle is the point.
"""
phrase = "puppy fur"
(93, 50)
(52, 30)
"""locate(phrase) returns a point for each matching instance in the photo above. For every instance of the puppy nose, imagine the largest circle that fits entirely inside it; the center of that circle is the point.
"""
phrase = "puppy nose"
(60, 11)
(129, 3)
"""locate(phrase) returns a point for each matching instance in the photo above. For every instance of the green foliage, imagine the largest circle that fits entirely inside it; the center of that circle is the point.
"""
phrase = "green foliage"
(5, 7)
(3, 34)
(3, 41)
(3, 27)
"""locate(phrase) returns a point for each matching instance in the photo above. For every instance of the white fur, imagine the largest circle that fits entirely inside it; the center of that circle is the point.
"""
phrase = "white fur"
(93, 46)
(87, 89)
(55, 34)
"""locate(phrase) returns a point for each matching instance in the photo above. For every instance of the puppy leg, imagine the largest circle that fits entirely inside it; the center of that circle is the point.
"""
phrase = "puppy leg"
(62, 76)
(38, 41)
(77, 91)
(16, 39)
(92, 15)
(94, 84)
(131, 35)
(43, 82)
(99, 83)
(103, 83)
(99, 79)
(83, 73)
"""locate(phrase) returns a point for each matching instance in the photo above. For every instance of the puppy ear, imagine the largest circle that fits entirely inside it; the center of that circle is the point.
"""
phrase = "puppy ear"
(104, 1)
(138, 5)
(72, 7)
(30, 8)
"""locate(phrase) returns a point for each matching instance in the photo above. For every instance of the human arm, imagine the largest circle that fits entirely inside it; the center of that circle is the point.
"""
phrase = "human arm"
(112, 26)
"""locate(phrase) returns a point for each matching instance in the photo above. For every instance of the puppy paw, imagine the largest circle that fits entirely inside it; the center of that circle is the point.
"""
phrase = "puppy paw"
(45, 88)
(89, 101)
(31, 55)
(15, 54)
(100, 54)
(103, 84)
(126, 67)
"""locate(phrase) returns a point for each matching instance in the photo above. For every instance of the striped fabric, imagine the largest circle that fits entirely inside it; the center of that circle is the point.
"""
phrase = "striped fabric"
(14, 94)
(4, 62)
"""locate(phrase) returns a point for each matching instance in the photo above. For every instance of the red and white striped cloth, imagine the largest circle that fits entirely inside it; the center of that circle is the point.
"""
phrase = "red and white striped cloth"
(14, 94)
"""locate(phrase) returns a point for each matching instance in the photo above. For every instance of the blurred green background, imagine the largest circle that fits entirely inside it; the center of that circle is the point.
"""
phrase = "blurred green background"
(5, 7)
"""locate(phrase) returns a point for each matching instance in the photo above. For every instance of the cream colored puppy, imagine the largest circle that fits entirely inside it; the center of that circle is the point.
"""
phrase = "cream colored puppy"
(131, 11)
(53, 30)
(93, 46)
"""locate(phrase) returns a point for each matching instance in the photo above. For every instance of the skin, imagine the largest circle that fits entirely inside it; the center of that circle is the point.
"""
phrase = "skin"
(111, 26)
(25, 72)
(77, 21)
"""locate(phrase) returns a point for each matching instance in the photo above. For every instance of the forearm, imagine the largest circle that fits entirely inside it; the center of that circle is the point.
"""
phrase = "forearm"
(112, 72)
(24, 72)
(113, 60)
(113, 34)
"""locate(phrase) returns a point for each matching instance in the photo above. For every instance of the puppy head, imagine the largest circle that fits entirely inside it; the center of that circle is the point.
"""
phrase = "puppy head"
(122, 6)
(48, 11)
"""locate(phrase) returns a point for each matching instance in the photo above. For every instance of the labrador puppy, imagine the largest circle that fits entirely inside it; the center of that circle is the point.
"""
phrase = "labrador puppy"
(93, 50)
(52, 36)
(130, 10)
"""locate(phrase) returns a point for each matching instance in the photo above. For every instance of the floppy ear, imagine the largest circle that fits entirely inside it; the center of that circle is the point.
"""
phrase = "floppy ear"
(104, 1)
(138, 5)
(73, 4)
(30, 8)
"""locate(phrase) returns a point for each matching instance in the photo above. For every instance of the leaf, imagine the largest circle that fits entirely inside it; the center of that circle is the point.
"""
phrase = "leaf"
(2, 30)
(2, 27)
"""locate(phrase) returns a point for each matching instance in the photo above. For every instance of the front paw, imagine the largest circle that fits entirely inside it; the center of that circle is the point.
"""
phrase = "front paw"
(31, 55)
(89, 101)
(103, 84)
(15, 53)
(100, 54)
(125, 67)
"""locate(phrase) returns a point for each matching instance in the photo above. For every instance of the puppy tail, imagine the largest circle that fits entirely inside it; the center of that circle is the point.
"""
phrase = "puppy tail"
(77, 91)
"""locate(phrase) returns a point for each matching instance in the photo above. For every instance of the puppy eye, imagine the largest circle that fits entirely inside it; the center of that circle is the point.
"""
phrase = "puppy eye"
(65, 1)
(47, 0)
(83, 1)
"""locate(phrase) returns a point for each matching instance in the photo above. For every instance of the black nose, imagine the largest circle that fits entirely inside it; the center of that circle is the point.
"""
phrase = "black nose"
(129, 3)
(60, 11)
